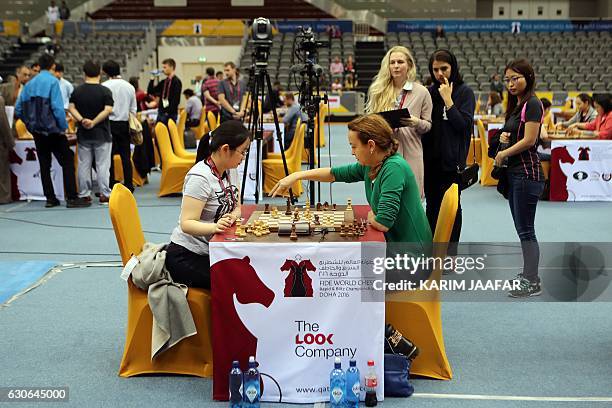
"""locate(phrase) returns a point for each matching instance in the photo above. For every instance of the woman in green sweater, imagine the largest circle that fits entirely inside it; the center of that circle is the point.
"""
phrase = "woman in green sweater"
(390, 185)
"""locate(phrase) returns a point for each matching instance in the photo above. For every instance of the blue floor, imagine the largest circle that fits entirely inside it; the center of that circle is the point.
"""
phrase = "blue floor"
(70, 330)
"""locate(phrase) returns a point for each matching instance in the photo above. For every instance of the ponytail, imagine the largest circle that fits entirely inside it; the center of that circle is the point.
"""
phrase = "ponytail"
(231, 133)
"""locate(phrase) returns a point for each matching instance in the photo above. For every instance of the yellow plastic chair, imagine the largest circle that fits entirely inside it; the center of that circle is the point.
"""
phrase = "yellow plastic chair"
(546, 168)
(136, 179)
(421, 320)
(288, 149)
(486, 161)
(22, 131)
(173, 168)
(273, 169)
(191, 356)
(213, 121)
(180, 126)
(178, 143)
(202, 128)
(474, 149)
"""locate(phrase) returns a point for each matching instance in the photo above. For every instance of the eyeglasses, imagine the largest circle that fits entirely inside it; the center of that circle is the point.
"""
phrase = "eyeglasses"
(243, 153)
(514, 80)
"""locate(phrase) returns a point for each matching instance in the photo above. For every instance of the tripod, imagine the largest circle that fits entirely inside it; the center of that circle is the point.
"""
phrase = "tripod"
(258, 82)
(310, 99)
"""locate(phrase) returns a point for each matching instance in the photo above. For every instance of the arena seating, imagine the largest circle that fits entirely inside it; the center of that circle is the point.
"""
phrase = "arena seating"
(564, 61)
(76, 49)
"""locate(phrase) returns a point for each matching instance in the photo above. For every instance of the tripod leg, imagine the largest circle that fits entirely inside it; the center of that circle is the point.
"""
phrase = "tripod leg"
(279, 138)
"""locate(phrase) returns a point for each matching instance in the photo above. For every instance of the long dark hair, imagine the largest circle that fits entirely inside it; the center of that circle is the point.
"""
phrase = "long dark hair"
(603, 100)
(586, 98)
(523, 67)
(232, 133)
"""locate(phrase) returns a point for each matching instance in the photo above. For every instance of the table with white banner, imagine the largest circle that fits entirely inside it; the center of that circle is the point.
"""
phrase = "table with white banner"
(581, 170)
(295, 334)
(26, 170)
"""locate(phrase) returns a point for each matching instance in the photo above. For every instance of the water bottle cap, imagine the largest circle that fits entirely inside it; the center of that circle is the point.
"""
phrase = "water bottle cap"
(251, 359)
(235, 364)
(353, 363)
(370, 363)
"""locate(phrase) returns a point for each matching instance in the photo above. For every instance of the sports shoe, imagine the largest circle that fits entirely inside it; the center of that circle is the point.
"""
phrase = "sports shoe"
(103, 199)
(52, 203)
(78, 203)
(526, 289)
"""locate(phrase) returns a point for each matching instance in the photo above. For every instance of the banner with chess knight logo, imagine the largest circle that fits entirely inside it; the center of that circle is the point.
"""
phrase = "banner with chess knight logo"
(295, 306)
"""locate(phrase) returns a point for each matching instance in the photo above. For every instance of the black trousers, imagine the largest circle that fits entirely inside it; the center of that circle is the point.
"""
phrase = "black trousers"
(121, 146)
(55, 144)
(437, 181)
(187, 267)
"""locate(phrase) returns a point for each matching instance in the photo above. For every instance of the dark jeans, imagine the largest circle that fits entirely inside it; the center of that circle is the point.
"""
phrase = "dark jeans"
(187, 267)
(58, 145)
(121, 146)
(523, 195)
(436, 182)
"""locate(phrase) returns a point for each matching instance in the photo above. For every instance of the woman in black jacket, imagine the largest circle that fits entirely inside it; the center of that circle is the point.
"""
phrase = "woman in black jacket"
(445, 147)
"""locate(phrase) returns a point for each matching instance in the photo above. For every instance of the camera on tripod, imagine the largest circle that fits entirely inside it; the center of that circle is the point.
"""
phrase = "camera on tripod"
(308, 44)
(261, 33)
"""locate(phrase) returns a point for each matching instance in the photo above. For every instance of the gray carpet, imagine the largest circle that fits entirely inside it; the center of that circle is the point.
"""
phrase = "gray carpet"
(70, 331)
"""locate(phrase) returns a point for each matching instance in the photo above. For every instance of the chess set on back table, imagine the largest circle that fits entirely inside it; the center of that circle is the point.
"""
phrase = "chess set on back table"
(295, 221)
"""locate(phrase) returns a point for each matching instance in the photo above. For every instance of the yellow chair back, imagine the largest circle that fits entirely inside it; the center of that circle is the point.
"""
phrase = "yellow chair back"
(202, 127)
(182, 120)
(212, 121)
(163, 142)
(126, 222)
(446, 217)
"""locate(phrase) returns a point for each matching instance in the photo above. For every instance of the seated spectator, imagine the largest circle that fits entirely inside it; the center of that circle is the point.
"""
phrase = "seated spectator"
(497, 85)
(336, 68)
(601, 127)
(193, 107)
(585, 112)
(349, 72)
(268, 105)
(337, 86)
(440, 32)
(548, 120)
(294, 112)
(494, 105)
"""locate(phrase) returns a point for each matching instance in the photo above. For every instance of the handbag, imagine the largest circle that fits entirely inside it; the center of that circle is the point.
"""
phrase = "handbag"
(468, 175)
(397, 364)
(135, 130)
(397, 376)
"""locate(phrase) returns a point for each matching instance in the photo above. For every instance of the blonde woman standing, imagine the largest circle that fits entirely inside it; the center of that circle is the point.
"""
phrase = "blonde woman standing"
(395, 88)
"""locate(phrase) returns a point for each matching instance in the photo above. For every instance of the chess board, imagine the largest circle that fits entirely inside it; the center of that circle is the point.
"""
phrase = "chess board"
(328, 219)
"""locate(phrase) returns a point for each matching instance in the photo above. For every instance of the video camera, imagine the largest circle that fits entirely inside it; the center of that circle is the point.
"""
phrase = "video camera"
(261, 34)
(308, 44)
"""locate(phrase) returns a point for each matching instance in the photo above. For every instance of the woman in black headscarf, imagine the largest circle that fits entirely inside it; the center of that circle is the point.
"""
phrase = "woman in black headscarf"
(446, 145)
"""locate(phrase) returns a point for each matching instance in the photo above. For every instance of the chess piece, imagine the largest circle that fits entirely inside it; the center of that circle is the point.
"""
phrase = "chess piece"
(274, 212)
(349, 204)
(342, 231)
(293, 235)
(334, 207)
(318, 206)
(288, 210)
(316, 219)
(307, 206)
(267, 209)
(325, 206)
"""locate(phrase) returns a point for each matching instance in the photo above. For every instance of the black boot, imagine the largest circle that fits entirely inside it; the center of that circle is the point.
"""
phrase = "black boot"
(398, 344)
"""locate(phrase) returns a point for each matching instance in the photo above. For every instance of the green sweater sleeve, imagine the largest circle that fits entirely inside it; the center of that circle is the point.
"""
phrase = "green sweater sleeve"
(351, 173)
(391, 187)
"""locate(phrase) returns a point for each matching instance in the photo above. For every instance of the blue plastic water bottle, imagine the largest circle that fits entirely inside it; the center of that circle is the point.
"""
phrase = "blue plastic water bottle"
(337, 386)
(353, 385)
(235, 386)
(252, 390)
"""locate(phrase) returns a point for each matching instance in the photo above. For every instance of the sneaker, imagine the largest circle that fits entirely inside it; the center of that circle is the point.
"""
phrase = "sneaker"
(78, 203)
(103, 199)
(52, 203)
(526, 289)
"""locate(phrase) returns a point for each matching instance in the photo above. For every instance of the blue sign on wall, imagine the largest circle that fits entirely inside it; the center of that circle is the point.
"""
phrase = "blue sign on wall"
(507, 26)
